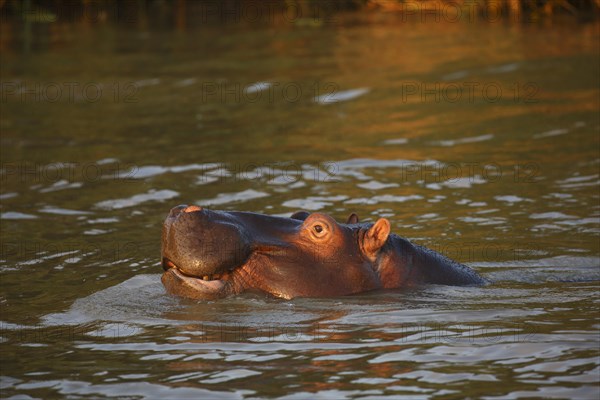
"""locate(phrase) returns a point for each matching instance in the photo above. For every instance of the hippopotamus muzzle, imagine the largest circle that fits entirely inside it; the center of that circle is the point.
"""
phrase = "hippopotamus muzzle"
(208, 254)
(200, 250)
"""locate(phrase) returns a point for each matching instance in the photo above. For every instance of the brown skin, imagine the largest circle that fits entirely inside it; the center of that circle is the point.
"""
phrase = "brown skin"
(210, 254)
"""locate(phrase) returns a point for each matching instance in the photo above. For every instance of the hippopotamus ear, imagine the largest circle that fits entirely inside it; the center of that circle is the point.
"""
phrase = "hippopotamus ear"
(352, 219)
(301, 215)
(376, 237)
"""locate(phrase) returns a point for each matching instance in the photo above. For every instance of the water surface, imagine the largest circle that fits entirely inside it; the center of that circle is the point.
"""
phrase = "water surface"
(477, 140)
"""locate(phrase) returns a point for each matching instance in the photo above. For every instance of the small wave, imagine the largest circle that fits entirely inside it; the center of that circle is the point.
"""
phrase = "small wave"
(556, 261)
(511, 199)
(257, 87)
(61, 185)
(109, 220)
(474, 139)
(313, 203)
(483, 221)
(551, 215)
(9, 195)
(354, 167)
(553, 132)
(457, 183)
(343, 95)
(396, 141)
(63, 211)
(376, 185)
(504, 68)
(386, 198)
(185, 82)
(230, 375)
(455, 75)
(147, 171)
(224, 198)
(16, 215)
(579, 181)
(151, 195)
(147, 82)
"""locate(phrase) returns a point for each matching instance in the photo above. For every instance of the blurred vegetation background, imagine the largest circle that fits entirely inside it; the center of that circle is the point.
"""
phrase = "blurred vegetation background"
(24, 20)
(135, 11)
(36, 25)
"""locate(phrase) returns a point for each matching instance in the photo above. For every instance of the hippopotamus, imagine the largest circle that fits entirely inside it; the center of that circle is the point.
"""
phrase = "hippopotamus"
(209, 254)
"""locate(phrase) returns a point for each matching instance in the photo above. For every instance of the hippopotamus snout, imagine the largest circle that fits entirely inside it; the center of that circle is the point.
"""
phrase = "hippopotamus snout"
(202, 243)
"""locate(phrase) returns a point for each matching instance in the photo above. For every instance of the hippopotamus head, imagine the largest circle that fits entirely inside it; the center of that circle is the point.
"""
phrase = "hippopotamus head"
(209, 254)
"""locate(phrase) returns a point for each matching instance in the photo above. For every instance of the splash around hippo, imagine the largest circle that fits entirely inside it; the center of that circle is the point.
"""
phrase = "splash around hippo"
(208, 254)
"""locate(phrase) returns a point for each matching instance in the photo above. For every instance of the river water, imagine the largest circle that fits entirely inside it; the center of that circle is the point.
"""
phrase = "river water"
(479, 140)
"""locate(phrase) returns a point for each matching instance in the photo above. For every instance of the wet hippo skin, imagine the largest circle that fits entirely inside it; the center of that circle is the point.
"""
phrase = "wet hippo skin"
(208, 254)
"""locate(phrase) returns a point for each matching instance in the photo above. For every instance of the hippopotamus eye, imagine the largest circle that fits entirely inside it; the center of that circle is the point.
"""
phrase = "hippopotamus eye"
(320, 230)
(317, 227)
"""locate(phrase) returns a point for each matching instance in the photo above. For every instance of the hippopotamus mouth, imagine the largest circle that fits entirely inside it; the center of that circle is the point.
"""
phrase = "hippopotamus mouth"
(207, 284)
(208, 254)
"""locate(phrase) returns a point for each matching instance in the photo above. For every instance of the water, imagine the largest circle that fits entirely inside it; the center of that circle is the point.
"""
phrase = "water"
(477, 140)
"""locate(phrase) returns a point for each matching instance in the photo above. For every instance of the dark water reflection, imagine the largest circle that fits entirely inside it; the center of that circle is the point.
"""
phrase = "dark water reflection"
(477, 140)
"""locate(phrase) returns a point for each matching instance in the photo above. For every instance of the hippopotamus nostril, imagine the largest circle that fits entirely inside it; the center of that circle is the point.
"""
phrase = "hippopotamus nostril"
(176, 210)
(192, 209)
